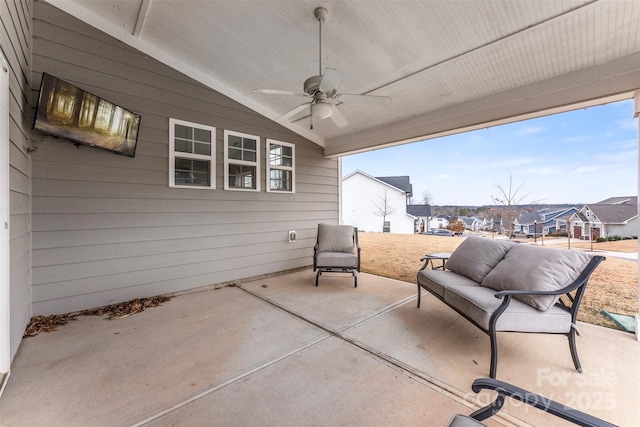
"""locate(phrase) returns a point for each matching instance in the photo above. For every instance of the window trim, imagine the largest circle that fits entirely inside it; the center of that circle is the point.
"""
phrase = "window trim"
(191, 156)
(291, 168)
(228, 161)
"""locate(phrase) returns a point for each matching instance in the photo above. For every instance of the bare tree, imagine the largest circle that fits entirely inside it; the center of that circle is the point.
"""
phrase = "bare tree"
(383, 208)
(508, 199)
(427, 197)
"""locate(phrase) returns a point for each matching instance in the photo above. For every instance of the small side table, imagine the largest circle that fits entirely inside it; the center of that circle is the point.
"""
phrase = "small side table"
(429, 258)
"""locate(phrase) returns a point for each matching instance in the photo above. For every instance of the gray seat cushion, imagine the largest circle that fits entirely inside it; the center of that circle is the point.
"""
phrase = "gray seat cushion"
(477, 256)
(532, 268)
(464, 421)
(437, 280)
(479, 303)
(336, 259)
(335, 238)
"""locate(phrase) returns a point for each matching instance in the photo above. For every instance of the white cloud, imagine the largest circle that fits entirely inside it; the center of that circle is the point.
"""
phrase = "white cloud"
(544, 171)
(577, 138)
(530, 130)
(583, 169)
(442, 176)
(628, 124)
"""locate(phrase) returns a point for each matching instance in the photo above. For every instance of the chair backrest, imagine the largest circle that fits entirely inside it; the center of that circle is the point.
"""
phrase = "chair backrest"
(335, 238)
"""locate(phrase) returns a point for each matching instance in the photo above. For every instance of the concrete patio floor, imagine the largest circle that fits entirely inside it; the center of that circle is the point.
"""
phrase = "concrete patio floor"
(280, 351)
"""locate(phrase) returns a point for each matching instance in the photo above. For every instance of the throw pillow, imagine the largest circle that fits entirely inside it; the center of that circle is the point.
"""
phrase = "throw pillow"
(531, 268)
(476, 257)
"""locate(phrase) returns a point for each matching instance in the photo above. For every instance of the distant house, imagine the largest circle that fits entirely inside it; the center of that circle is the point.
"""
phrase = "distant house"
(422, 213)
(609, 217)
(470, 223)
(440, 221)
(377, 204)
(543, 221)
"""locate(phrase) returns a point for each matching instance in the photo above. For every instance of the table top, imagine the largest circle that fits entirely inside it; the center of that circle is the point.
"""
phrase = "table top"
(438, 255)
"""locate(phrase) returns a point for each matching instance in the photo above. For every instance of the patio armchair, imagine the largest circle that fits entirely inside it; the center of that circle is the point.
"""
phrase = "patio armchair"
(507, 390)
(334, 251)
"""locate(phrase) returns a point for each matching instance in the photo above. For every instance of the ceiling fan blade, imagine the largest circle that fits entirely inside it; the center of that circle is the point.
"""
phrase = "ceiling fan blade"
(330, 80)
(337, 117)
(279, 92)
(294, 111)
(365, 99)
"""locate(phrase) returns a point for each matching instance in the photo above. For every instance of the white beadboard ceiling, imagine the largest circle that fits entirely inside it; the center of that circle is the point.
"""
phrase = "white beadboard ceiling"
(447, 65)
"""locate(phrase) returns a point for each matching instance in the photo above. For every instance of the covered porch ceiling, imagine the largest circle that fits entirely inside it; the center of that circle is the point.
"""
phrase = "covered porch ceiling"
(448, 66)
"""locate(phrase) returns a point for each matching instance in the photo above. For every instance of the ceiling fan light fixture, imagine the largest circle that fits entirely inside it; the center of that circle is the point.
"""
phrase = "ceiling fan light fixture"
(321, 110)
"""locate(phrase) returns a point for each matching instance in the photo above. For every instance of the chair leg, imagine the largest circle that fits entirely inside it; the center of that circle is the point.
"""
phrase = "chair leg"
(494, 354)
(317, 276)
(419, 295)
(574, 350)
(355, 279)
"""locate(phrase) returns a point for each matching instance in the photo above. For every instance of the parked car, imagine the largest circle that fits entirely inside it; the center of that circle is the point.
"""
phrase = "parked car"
(439, 232)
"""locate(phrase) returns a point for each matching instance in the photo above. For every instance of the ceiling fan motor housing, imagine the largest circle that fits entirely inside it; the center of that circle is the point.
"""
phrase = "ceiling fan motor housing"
(312, 85)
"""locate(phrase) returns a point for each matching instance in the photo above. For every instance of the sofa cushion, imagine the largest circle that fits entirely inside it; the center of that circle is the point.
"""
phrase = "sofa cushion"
(335, 238)
(437, 281)
(476, 257)
(479, 303)
(336, 259)
(531, 268)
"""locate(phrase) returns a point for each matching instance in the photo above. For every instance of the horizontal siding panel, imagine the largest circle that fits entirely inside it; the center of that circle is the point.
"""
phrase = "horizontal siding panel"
(61, 205)
(18, 203)
(98, 237)
(88, 189)
(86, 253)
(18, 159)
(140, 276)
(51, 170)
(19, 182)
(19, 247)
(70, 304)
(49, 222)
(18, 225)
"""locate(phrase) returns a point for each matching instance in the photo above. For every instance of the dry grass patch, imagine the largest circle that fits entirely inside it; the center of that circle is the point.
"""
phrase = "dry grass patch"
(612, 287)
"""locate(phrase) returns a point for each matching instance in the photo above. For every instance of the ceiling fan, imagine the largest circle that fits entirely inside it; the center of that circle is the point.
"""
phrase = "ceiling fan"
(323, 90)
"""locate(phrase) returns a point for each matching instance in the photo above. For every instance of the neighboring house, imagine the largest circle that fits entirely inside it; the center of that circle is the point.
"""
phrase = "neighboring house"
(422, 213)
(609, 217)
(470, 223)
(440, 221)
(543, 221)
(401, 182)
(366, 200)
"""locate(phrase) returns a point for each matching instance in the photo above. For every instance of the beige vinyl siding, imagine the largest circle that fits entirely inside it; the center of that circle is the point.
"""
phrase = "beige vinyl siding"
(15, 42)
(108, 228)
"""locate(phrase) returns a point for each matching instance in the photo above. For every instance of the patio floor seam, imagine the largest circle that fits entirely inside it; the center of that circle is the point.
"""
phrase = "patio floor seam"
(425, 379)
(230, 381)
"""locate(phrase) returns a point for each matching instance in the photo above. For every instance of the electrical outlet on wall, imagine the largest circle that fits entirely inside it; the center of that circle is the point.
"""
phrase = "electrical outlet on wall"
(292, 236)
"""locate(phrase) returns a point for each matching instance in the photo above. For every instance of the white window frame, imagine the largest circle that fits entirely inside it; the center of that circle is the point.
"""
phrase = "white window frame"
(228, 161)
(173, 154)
(270, 167)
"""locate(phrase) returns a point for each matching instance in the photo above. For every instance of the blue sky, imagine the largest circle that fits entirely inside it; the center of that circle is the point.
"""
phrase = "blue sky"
(578, 157)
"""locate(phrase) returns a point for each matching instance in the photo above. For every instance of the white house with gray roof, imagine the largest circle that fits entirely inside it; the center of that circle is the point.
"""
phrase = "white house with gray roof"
(365, 198)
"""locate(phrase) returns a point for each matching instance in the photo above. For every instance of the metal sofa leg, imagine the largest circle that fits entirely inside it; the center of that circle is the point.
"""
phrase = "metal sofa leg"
(574, 350)
(494, 354)
(419, 295)
(318, 275)
(355, 279)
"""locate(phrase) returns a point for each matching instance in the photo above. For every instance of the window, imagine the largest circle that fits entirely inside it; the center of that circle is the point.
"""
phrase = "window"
(192, 155)
(280, 167)
(241, 161)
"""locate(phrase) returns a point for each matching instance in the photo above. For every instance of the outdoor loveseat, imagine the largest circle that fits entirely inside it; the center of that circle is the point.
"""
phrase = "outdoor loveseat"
(502, 286)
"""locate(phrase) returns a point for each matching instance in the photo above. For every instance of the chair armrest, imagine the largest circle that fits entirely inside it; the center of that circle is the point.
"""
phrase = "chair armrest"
(533, 399)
